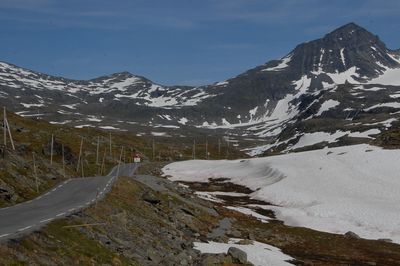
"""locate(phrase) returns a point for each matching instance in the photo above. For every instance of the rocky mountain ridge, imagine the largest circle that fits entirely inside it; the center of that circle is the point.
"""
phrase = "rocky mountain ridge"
(316, 92)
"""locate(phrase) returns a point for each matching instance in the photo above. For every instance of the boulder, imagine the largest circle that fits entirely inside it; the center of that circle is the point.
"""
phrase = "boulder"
(6, 194)
(351, 234)
(238, 255)
(251, 236)
(150, 197)
(234, 233)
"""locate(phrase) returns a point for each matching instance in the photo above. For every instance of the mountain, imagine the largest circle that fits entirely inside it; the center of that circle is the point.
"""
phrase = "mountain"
(120, 95)
(342, 88)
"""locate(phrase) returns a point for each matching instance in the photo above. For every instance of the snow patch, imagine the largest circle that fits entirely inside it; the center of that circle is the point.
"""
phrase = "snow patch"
(329, 104)
(83, 126)
(110, 128)
(365, 134)
(258, 253)
(249, 212)
(342, 57)
(225, 122)
(391, 76)
(391, 105)
(352, 188)
(309, 139)
(159, 134)
(29, 105)
(282, 65)
(93, 119)
(70, 106)
(183, 121)
(253, 112)
(369, 89)
(222, 83)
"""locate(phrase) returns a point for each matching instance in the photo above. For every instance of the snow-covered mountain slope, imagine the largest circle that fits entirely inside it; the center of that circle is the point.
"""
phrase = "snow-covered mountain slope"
(119, 101)
(343, 87)
(114, 87)
(352, 188)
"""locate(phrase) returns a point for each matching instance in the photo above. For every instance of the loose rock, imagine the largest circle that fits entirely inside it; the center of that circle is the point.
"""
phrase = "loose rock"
(351, 234)
(237, 255)
(150, 197)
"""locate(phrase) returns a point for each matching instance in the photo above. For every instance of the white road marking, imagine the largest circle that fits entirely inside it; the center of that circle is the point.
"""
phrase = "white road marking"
(110, 181)
(47, 220)
(25, 228)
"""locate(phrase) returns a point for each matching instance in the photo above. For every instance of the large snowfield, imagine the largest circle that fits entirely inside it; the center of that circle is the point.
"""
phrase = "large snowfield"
(352, 188)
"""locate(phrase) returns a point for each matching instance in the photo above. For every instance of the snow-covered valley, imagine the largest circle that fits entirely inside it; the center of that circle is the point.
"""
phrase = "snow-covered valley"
(336, 190)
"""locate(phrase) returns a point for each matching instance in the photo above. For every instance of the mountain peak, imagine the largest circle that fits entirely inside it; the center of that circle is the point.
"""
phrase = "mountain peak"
(345, 47)
(122, 74)
(352, 34)
(349, 27)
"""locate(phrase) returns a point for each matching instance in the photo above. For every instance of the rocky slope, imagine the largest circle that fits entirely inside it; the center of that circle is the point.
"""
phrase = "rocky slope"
(340, 88)
(150, 221)
(32, 140)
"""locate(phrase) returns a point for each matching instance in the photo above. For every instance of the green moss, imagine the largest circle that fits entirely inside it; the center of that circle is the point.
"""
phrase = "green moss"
(62, 245)
(74, 244)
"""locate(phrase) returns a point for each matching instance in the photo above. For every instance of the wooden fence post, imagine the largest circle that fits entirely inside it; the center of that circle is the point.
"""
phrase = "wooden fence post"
(63, 158)
(97, 151)
(35, 173)
(51, 149)
(79, 157)
(7, 127)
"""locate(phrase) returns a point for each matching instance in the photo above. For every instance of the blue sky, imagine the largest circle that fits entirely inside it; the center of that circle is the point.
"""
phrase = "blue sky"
(178, 41)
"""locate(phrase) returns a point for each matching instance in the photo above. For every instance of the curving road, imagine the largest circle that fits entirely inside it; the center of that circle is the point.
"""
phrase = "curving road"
(68, 197)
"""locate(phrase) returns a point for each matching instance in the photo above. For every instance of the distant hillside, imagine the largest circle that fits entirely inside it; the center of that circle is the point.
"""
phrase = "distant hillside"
(340, 89)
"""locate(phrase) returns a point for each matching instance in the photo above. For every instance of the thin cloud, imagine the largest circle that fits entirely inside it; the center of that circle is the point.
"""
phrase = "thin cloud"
(55, 23)
(293, 11)
(26, 5)
(104, 17)
(189, 16)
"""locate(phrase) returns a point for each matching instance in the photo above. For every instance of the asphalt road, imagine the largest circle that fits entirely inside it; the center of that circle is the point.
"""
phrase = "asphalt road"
(68, 197)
